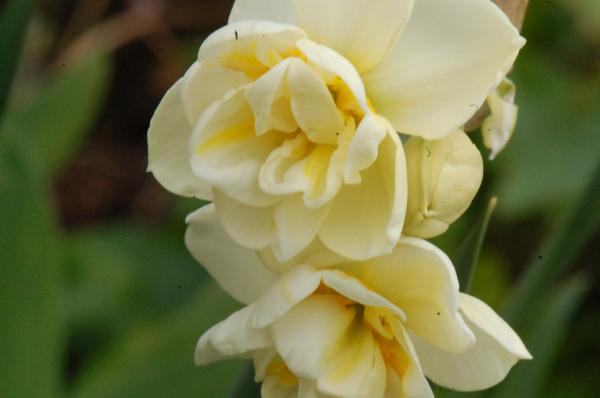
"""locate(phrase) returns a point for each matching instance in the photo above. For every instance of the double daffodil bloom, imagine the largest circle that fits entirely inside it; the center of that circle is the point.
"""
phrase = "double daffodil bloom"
(332, 327)
(288, 120)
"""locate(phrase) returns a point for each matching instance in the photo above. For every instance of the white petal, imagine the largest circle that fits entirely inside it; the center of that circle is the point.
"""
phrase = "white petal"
(443, 178)
(262, 10)
(296, 225)
(335, 64)
(312, 104)
(231, 338)
(451, 54)
(168, 154)
(273, 388)
(290, 289)
(251, 227)
(366, 220)
(262, 359)
(362, 30)
(483, 365)
(204, 84)
(420, 279)
(309, 331)
(238, 270)
(499, 126)
(269, 99)
(354, 290)
(226, 152)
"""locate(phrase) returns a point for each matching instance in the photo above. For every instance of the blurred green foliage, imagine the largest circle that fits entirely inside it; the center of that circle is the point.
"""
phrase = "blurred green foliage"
(114, 309)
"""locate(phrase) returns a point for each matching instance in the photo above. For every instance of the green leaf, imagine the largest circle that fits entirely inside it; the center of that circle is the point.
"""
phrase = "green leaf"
(467, 255)
(245, 386)
(13, 26)
(558, 253)
(31, 321)
(552, 324)
(57, 118)
(157, 360)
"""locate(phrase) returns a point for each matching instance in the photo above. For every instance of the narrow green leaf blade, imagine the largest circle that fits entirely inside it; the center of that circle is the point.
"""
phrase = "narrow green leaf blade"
(558, 253)
(14, 19)
(467, 255)
(544, 340)
(58, 117)
(157, 360)
(31, 321)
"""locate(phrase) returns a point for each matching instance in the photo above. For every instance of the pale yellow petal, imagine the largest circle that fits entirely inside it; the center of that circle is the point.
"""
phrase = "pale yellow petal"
(313, 105)
(450, 56)
(238, 270)
(289, 290)
(262, 10)
(335, 65)
(353, 289)
(231, 338)
(420, 279)
(251, 227)
(309, 331)
(226, 151)
(366, 219)
(296, 225)
(269, 99)
(364, 147)
(361, 30)
(168, 153)
(204, 84)
(483, 365)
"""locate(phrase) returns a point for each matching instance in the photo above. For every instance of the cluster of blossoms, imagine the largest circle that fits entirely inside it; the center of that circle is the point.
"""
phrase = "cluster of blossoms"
(329, 136)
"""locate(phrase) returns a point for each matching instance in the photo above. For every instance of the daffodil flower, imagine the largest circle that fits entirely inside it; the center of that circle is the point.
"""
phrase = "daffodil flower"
(288, 120)
(332, 327)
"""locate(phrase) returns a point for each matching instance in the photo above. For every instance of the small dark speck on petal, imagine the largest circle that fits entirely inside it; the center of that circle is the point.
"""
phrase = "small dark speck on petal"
(237, 35)
(439, 314)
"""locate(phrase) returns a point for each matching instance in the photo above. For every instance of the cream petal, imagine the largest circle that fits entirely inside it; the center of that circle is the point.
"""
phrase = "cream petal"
(261, 360)
(356, 368)
(307, 389)
(168, 154)
(362, 30)
(226, 152)
(204, 84)
(353, 289)
(420, 279)
(444, 176)
(289, 290)
(269, 99)
(335, 64)
(364, 147)
(414, 383)
(281, 174)
(236, 269)
(273, 388)
(251, 227)
(237, 36)
(263, 10)
(483, 365)
(296, 225)
(499, 126)
(451, 54)
(366, 220)
(312, 104)
(231, 338)
(309, 331)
